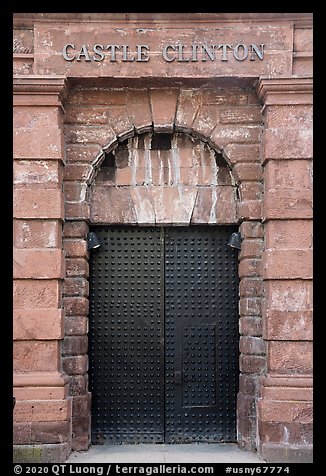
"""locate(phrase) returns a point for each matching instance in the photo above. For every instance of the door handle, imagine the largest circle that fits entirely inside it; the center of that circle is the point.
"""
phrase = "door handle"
(178, 377)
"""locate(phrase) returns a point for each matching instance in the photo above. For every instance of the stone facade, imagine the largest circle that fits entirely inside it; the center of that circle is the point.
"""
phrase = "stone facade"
(89, 149)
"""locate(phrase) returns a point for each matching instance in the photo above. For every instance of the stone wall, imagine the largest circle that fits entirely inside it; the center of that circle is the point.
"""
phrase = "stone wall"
(241, 152)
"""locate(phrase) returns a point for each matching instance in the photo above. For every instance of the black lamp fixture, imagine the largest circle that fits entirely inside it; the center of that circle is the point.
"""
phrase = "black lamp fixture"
(92, 241)
(235, 240)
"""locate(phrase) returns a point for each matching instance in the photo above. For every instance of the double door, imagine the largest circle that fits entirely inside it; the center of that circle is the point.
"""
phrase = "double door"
(163, 335)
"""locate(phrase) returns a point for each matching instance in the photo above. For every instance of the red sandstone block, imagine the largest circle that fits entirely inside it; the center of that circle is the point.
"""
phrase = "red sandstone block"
(225, 97)
(40, 393)
(82, 152)
(37, 234)
(74, 191)
(81, 406)
(287, 393)
(45, 172)
(293, 115)
(76, 325)
(76, 365)
(38, 143)
(246, 405)
(86, 115)
(36, 203)
(77, 210)
(285, 433)
(289, 234)
(81, 443)
(251, 248)
(252, 345)
(279, 411)
(289, 295)
(249, 210)
(205, 120)
(250, 306)
(22, 433)
(252, 364)
(41, 324)
(77, 134)
(143, 203)
(248, 384)
(236, 153)
(76, 306)
(97, 97)
(173, 204)
(21, 67)
(112, 205)
(75, 229)
(250, 326)
(40, 264)
(75, 345)
(37, 356)
(35, 117)
(247, 171)
(32, 293)
(119, 120)
(288, 143)
(251, 229)
(250, 267)
(76, 287)
(163, 104)
(77, 267)
(287, 264)
(139, 109)
(190, 176)
(77, 172)
(226, 204)
(288, 325)
(304, 67)
(215, 205)
(76, 248)
(251, 287)
(240, 115)
(292, 174)
(124, 176)
(229, 133)
(188, 102)
(303, 39)
(287, 203)
(246, 429)
(289, 357)
(78, 385)
(250, 190)
(50, 432)
(51, 410)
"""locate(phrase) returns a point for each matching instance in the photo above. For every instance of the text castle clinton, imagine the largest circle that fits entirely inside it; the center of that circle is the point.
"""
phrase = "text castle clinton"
(170, 53)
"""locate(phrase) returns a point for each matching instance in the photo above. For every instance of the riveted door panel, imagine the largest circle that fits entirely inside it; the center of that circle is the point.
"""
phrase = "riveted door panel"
(163, 335)
(201, 331)
(127, 336)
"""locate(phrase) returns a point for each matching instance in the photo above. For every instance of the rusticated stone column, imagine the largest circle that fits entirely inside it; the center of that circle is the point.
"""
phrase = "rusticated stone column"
(42, 414)
(285, 400)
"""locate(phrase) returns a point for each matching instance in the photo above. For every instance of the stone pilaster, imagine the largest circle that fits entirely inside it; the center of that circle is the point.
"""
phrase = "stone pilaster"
(285, 400)
(42, 414)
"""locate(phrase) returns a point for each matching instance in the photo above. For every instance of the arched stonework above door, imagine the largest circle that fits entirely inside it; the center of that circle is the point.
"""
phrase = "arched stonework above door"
(162, 178)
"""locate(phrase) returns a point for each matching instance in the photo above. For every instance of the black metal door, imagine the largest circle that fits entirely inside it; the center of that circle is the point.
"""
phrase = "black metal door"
(163, 335)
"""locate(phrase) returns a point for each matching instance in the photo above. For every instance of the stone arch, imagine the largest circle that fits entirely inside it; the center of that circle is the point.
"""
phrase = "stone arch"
(112, 144)
(162, 178)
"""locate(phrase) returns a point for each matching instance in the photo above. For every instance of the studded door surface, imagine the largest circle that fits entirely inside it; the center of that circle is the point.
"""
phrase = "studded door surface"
(127, 336)
(163, 335)
(201, 331)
